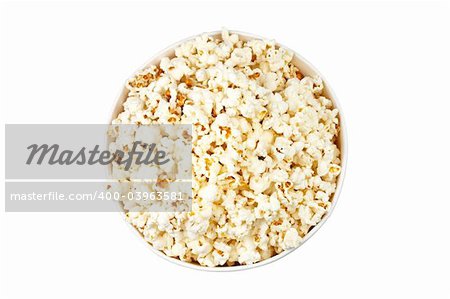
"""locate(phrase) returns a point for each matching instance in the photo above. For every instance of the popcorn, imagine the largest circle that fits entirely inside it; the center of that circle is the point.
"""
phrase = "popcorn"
(133, 105)
(208, 193)
(264, 164)
(291, 239)
(240, 57)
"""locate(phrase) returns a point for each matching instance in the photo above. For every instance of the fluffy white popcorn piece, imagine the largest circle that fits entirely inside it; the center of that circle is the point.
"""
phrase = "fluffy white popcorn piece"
(291, 239)
(208, 193)
(133, 104)
(265, 162)
(240, 57)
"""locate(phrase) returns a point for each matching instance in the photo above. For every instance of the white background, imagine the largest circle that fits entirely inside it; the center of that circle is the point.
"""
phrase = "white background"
(387, 62)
